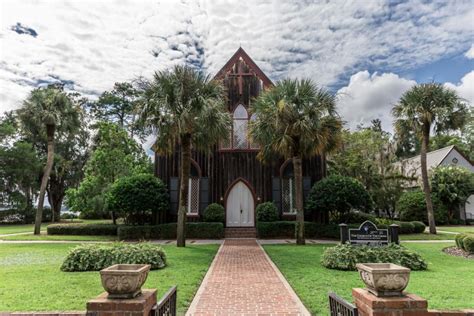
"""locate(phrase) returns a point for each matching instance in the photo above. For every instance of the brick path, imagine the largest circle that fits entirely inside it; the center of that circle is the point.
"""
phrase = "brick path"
(242, 280)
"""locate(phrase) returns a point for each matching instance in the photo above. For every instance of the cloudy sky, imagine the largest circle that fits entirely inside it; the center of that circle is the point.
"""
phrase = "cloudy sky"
(367, 51)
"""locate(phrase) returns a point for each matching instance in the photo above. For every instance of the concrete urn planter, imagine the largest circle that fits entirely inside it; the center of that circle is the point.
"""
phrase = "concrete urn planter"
(124, 280)
(384, 279)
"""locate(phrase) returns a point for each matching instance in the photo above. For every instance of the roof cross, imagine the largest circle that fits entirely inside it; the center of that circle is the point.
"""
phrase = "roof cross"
(240, 75)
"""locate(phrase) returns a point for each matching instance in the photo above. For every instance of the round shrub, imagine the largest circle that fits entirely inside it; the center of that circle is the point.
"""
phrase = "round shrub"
(419, 227)
(214, 213)
(345, 257)
(468, 243)
(459, 240)
(267, 212)
(411, 206)
(465, 241)
(138, 198)
(97, 257)
(337, 195)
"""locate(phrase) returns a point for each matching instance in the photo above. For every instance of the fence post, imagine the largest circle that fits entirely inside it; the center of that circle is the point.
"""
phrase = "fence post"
(393, 230)
(344, 230)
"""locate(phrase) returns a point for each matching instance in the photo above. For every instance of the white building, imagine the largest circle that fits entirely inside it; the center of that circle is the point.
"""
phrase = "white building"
(442, 157)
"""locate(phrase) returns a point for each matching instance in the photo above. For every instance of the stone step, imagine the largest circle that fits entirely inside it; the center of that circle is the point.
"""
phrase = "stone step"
(240, 232)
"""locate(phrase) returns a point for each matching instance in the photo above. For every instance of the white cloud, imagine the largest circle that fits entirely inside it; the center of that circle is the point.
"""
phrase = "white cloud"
(372, 96)
(369, 97)
(470, 53)
(465, 88)
(96, 43)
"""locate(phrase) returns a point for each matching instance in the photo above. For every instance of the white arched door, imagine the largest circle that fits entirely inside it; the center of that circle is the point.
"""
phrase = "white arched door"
(240, 206)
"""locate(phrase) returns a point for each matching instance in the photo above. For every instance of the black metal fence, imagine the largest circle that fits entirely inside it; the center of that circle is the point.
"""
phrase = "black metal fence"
(167, 304)
(340, 307)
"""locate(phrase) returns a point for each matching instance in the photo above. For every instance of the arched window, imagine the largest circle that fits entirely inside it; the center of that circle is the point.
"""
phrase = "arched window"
(239, 138)
(288, 196)
(253, 145)
(193, 190)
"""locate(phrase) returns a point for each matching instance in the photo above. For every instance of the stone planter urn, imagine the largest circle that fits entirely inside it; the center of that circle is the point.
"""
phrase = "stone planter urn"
(384, 279)
(124, 280)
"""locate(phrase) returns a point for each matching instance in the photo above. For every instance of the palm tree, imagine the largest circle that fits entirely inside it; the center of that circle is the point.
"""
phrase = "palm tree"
(297, 120)
(185, 109)
(424, 108)
(45, 112)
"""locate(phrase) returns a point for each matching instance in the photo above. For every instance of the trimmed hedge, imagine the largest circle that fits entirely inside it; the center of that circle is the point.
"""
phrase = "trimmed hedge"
(286, 229)
(345, 257)
(82, 229)
(465, 241)
(198, 230)
(97, 257)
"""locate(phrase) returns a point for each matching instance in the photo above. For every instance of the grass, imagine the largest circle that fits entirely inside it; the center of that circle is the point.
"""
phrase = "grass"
(26, 228)
(446, 284)
(44, 236)
(457, 229)
(427, 236)
(31, 279)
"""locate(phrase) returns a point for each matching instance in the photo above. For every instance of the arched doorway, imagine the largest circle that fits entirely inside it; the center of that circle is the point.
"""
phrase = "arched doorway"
(240, 206)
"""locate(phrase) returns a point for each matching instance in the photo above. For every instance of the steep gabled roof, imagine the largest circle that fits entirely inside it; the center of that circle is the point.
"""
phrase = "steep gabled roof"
(240, 53)
(412, 166)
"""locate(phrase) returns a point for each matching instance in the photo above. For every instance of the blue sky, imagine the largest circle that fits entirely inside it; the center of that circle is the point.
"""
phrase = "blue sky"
(368, 52)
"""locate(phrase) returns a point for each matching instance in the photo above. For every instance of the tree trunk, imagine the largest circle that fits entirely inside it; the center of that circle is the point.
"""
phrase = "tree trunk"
(424, 177)
(183, 189)
(44, 181)
(56, 190)
(297, 166)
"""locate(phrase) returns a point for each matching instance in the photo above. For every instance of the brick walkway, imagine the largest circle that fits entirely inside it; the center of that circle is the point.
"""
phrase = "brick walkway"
(242, 280)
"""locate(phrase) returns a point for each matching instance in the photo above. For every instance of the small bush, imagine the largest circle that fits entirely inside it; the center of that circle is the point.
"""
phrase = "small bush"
(82, 229)
(138, 198)
(214, 213)
(97, 257)
(419, 227)
(465, 241)
(69, 215)
(345, 257)
(468, 243)
(196, 230)
(267, 212)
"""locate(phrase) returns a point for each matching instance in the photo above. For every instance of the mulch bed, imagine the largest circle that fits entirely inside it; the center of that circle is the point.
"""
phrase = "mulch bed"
(455, 251)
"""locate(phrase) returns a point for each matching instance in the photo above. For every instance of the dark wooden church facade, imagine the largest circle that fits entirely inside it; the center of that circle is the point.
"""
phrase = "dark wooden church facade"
(231, 174)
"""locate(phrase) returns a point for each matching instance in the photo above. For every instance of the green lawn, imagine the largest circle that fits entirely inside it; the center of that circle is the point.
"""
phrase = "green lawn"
(31, 279)
(457, 229)
(44, 236)
(13, 229)
(446, 284)
(426, 236)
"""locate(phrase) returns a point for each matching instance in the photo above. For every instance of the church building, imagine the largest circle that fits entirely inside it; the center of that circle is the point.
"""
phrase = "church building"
(231, 174)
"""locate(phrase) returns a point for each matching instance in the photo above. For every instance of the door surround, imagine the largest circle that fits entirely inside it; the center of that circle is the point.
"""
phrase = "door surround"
(252, 191)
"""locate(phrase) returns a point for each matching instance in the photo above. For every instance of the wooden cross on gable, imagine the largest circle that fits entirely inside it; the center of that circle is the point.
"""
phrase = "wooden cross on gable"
(240, 75)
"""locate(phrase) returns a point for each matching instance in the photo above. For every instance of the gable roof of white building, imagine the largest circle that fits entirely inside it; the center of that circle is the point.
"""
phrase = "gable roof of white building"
(411, 166)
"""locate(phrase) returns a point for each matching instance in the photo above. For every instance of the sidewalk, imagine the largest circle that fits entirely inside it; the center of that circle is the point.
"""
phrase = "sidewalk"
(242, 280)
